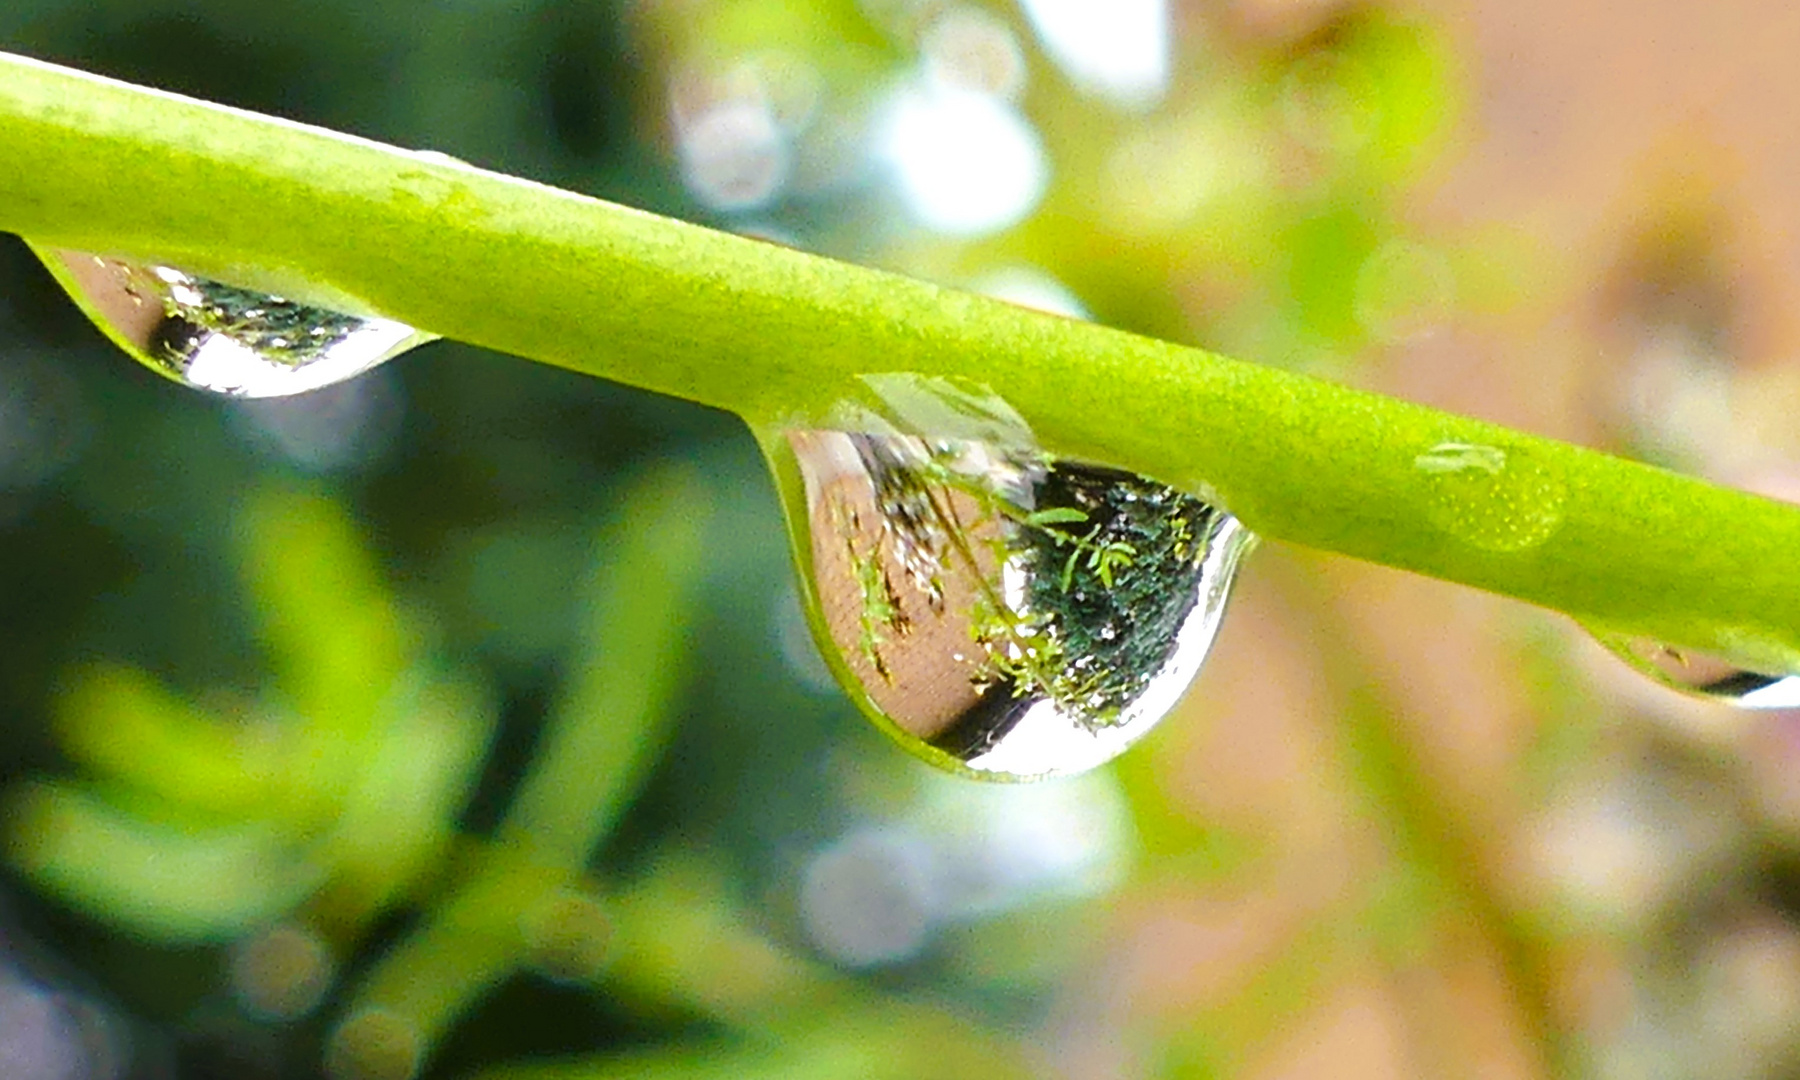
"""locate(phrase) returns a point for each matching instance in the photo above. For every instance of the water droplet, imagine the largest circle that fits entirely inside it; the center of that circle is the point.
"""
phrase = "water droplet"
(1703, 674)
(999, 611)
(222, 338)
(1490, 498)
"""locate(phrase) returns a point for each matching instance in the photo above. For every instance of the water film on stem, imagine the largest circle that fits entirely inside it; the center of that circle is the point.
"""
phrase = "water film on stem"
(1491, 498)
(219, 337)
(1000, 611)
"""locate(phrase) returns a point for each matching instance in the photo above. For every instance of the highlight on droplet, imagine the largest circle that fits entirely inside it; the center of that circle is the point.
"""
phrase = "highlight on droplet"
(221, 338)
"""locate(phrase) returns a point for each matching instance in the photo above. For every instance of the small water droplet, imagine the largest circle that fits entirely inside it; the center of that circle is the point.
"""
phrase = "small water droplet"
(222, 338)
(1705, 675)
(1491, 498)
(1002, 612)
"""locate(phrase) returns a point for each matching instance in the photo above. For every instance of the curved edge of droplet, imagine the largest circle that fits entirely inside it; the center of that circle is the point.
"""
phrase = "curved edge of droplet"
(402, 338)
(391, 339)
(790, 490)
(55, 260)
(1743, 678)
(1225, 557)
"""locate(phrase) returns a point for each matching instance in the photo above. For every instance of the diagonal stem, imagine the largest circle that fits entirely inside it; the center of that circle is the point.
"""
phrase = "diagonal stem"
(781, 337)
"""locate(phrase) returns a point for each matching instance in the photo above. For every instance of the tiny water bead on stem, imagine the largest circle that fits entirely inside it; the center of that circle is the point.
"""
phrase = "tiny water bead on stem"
(998, 611)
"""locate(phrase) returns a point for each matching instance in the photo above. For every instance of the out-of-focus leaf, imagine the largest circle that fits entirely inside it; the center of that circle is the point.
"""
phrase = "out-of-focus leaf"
(165, 882)
(335, 641)
(125, 725)
(612, 716)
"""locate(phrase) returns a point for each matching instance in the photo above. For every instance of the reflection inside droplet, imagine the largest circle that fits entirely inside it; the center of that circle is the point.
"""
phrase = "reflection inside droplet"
(219, 337)
(1703, 675)
(1004, 612)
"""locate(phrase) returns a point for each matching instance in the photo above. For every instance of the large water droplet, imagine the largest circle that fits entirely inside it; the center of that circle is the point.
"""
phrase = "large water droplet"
(999, 611)
(1705, 675)
(222, 338)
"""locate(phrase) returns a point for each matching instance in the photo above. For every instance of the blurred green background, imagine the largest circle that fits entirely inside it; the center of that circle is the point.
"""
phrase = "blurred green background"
(461, 719)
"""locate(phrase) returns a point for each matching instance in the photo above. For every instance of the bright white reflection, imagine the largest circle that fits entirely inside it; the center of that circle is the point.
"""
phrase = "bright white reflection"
(1780, 694)
(965, 162)
(1116, 49)
(227, 366)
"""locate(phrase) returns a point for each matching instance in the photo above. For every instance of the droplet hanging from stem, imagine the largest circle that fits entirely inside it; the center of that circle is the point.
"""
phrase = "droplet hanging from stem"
(999, 611)
(221, 338)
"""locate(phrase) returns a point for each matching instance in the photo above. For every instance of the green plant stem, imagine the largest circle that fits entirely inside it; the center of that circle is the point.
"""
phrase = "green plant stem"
(781, 337)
